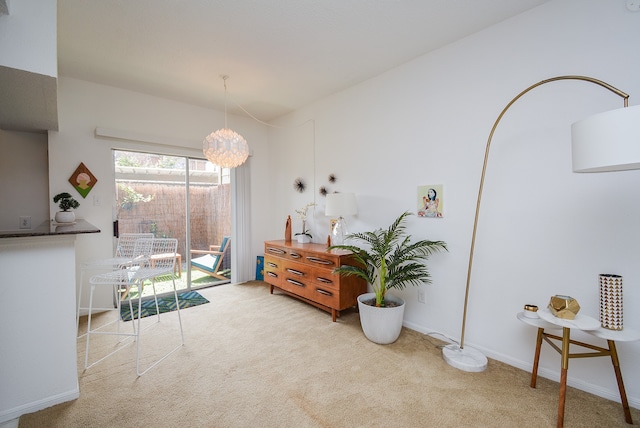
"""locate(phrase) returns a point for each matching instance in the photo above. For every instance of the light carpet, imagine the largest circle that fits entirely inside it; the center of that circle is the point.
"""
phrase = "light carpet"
(252, 359)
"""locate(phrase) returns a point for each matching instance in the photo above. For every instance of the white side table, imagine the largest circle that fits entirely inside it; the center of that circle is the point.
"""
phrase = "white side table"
(548, 321)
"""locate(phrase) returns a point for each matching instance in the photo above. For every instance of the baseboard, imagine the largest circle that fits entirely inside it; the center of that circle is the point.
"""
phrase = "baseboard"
(13, 423)
(34, 406)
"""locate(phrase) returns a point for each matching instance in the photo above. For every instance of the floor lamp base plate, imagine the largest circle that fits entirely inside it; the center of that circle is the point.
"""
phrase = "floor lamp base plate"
(466, 359)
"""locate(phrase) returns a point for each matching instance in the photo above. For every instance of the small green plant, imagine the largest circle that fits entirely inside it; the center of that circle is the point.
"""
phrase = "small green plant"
(389, 259)
(65, 201)
(131, 197)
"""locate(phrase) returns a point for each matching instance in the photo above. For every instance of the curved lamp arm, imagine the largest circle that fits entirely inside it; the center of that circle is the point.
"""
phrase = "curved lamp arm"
(484, 169)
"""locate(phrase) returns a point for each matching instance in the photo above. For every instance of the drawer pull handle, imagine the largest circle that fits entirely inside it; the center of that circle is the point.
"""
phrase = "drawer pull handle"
(276, 250)
(326, 293)
(294, 282)
(295, 256)
(272, 275)
(273, 265)
(321, 261)
(324, 280)
(295, 272)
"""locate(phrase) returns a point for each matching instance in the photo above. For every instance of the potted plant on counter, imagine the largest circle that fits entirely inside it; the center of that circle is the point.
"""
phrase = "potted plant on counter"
(388, 259)
(66, 203)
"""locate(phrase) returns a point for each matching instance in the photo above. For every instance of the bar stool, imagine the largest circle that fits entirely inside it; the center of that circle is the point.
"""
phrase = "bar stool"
(136, 275)
(124, 255)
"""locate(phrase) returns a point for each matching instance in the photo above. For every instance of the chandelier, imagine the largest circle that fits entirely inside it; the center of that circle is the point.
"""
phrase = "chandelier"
(224, 147)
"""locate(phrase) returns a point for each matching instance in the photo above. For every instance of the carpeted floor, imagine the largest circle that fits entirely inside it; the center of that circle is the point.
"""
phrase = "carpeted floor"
(186, 299)
(252, 359)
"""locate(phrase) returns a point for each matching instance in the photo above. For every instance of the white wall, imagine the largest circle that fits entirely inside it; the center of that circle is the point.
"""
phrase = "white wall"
(83, 106)
(24, 178)
(28, 37)
(39, 361)
(543, 229)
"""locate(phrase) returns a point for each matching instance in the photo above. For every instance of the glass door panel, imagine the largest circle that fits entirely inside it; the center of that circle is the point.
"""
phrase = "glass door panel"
(151, 196)
(209, 224)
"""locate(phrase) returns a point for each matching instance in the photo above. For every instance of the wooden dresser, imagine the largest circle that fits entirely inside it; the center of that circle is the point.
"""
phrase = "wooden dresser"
(305, 271)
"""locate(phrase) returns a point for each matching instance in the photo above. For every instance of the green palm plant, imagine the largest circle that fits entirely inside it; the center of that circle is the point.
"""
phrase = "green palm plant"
(389, 259)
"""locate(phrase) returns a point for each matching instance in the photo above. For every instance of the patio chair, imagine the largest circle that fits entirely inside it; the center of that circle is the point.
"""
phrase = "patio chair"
(125, 254)
(210, 261)
(137, 274)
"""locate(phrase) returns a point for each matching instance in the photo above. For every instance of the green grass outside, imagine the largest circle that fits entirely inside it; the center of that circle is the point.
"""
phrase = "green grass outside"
(164, 284)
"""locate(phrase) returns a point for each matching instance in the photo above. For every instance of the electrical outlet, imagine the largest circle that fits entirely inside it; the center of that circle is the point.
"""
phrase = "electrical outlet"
(25, 222)
(422, 296)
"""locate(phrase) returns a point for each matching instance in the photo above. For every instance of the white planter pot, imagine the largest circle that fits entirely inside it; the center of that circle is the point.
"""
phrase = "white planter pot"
(65, 217)
(303, 239)
(381, 325)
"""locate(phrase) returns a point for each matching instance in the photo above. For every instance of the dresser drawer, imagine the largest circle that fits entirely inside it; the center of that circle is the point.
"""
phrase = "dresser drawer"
(283, 252)
(325, 278)
(309, 290)
(272, 270)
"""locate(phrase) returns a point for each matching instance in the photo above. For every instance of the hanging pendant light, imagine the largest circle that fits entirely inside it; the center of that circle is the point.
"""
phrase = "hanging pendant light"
(224, 147)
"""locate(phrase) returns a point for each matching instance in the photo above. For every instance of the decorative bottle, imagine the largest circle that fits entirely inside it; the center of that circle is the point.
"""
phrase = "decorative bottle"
(287, 230)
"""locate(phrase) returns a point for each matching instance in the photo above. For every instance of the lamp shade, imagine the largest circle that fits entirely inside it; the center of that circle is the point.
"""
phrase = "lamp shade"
(341, 204)
(608, 141)
(225, 148)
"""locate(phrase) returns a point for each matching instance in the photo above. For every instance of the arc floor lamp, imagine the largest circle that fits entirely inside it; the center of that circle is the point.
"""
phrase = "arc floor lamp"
(608, 141)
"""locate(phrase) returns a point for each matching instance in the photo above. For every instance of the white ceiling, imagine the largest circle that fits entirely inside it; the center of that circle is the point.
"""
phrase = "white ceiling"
(279, 55)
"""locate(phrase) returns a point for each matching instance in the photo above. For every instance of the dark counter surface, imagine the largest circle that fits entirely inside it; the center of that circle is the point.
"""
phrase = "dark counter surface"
(52, 229)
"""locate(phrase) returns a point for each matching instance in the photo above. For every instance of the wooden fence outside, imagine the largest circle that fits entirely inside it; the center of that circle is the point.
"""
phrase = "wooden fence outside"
(164, 214)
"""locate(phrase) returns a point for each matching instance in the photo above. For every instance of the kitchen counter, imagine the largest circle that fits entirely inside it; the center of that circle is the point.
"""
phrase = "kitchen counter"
(52, 228)
(38, 321)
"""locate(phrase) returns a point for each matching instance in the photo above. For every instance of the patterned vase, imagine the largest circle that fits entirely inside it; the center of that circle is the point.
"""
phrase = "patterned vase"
(611, 301)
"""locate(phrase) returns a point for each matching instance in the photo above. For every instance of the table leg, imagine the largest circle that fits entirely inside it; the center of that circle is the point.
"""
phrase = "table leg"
(616, 368)
(563, 375)
(536, 358)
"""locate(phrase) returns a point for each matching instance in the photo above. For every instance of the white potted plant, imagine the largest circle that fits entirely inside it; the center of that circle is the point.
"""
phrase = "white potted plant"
(304, 236)
(388, 260)
(66, 203)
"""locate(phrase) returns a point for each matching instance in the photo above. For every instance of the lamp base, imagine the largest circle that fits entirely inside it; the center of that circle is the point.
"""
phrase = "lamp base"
(466, 359)
(339, 232)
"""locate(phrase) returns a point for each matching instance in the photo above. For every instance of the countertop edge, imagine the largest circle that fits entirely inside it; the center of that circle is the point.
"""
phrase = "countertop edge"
(52, 229)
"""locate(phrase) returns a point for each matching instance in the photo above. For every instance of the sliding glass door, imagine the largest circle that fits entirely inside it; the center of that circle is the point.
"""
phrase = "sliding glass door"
(177, 197)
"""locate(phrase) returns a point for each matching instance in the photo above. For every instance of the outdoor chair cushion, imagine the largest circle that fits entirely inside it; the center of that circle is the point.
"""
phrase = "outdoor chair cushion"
(206, 262)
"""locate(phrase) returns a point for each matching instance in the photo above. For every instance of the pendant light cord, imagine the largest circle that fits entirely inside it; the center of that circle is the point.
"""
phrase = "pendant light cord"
(224, 80)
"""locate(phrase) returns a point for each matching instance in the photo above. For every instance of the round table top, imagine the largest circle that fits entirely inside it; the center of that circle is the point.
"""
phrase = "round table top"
(581, 322)
(548, 321)
(624, 335)
(537, 321)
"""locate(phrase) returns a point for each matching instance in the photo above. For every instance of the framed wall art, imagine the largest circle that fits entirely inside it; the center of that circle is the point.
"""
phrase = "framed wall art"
(83, 180)
(430, 201)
